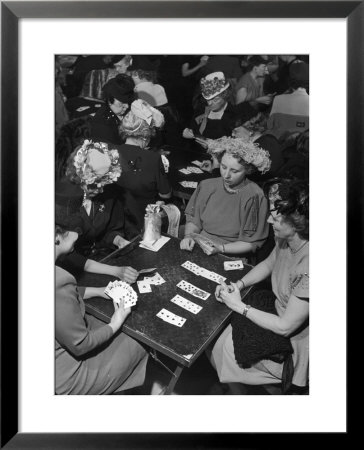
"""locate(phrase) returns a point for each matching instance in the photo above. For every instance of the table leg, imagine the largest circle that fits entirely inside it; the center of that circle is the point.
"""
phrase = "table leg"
(174, 378)
(175, 375)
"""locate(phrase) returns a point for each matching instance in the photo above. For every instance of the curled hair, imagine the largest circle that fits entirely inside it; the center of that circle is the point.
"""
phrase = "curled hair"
(295, 84)
(61, 230)
(290, 199)
(134, 126)
(149, 75)
(249, 168)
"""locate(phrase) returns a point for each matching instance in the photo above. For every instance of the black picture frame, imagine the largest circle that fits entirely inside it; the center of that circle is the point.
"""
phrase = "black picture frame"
(11, 12)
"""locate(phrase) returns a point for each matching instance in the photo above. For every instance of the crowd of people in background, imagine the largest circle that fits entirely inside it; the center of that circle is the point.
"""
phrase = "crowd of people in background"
(117, 120)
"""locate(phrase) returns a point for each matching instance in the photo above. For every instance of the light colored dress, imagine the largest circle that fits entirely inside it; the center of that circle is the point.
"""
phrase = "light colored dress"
(89, 358)
(290, 275)
(228, 217)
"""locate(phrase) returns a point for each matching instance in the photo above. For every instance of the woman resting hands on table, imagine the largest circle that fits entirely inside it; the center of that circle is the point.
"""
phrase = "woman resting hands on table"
(288, 267)
(90, 357)
(91, 169)
(230, 211)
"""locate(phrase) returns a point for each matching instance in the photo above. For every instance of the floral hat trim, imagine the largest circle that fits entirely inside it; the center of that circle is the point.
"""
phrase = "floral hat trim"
(248, 151)
(87, 173)
(145, 111)
(213, 85)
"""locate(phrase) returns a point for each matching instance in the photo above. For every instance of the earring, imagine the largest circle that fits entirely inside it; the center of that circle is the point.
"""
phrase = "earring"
(57, 242)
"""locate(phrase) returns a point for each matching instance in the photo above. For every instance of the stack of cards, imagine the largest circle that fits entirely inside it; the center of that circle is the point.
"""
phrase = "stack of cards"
(154, 246)
(171, 318)
(192, 169)
(197, 163)
(119, 290)
(193, 290)
(185, 171)
(200, 271)
(186, 304)
(233, 265)
(189, 184)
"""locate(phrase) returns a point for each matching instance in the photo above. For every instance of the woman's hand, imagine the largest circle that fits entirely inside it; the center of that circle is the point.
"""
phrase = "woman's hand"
(127, 274)
(188, 133)
(222, 287)
(211, 249)
(203, 142)
(266, 99)
(231, 299)
(120, 242)
(187, 243)
(119, 316)
(242, 132)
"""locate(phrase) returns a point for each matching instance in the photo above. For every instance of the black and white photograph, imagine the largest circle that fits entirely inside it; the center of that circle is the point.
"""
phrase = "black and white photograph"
(177, 178)
(182, 224)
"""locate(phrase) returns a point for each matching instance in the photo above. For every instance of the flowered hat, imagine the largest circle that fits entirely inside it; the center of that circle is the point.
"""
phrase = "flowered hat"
(141, 112)
(213, 84)
(248, 151)
(95, 166)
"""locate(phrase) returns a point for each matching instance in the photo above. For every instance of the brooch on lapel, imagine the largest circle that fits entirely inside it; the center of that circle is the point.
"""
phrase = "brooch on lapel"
(101, 208)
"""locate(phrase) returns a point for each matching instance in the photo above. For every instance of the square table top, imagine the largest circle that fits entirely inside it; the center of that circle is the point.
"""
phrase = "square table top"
(183, 344)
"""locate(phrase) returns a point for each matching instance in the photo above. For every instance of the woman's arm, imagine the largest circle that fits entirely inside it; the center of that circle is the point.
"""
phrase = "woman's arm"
(294, 316)
(241, 95)
(94, 292)
(125, 273)
(187, 71)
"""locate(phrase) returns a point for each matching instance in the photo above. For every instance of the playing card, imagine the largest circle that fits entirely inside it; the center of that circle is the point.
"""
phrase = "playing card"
(171, 318)
(194, 169)
(144, 287)
(156, 279)
(213, 276)
(82, 108)
(233, 265)
(186, 304)
(192, 267)
(185, 171)
(197, 163)
(154, 246)
(193, 290)
(119, 290)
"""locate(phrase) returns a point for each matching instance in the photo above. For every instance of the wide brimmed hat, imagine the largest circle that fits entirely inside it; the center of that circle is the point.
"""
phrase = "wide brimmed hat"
(96, 165)
(68, 201)
(299, 71)
(213, 84)
(121, 87)
(144, 63)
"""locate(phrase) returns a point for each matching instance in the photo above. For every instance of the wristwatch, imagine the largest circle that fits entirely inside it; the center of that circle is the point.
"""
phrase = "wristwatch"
(246, 309)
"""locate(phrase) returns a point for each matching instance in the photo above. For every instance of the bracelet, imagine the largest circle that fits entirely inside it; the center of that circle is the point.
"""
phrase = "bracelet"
(246, 309)
(242, 281)
(223, 248)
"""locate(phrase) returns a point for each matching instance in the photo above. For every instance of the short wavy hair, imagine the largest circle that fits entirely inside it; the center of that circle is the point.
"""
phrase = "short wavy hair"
(290, 198)
(134, 126)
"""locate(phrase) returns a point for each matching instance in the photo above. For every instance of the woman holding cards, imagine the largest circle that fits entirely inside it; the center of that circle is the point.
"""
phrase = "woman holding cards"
(93, 168)
(90, 357)
(229, 212)
(288, 267)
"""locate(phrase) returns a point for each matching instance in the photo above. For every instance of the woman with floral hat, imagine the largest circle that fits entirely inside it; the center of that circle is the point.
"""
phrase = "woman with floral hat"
(219, 116)
(230, 211)
(144, 175)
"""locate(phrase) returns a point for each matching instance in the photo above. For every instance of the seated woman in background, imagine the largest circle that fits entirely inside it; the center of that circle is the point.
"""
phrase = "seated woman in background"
(144, 172)
(90, 168)
(118, 94)
(288, 305)
(144, 74)
(230, 211)
(249, 88)
(219, 117)
(91, 358)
